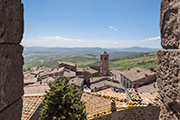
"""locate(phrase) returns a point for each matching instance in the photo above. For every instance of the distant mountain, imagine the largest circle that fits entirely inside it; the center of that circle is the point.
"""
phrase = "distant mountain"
(86, 50)
(71, 51)
(123, 54)
(136, 49)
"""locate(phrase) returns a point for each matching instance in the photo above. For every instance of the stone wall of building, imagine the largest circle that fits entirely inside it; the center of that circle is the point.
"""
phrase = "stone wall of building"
(168, 60)
(134, 113)
(11, 59)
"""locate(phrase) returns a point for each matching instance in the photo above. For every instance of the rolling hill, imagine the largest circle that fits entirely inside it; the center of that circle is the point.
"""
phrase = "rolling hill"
(143, 60)
(34, 56)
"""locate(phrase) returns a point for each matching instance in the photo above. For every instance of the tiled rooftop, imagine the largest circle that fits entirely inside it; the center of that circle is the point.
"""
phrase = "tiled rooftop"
(106, 83)
(44, 73)
(80, 69)
(36, 89)
(114, 71)
(108, 90)
(68, 73)
(67, 63)
(98, 79)
(30, 105)
(96, 103)
(148, 88)
(90, 70)
(137, 73)
(100, 103)
(77, 81)
(104, 53)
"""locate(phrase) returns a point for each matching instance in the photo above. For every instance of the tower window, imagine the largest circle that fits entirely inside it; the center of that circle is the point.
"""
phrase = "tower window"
(105, 58)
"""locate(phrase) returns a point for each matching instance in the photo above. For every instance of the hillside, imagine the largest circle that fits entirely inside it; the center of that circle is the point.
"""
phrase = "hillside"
(143, 60)
(34, 56)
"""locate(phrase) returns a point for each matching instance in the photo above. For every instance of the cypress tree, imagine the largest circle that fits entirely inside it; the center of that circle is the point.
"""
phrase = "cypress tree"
(62, 102)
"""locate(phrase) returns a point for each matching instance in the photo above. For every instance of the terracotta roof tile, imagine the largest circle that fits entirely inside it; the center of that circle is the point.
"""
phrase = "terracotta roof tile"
(136, 73)
(30, 105)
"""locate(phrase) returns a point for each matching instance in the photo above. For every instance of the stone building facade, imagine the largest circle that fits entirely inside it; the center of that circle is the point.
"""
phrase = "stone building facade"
(137, 76)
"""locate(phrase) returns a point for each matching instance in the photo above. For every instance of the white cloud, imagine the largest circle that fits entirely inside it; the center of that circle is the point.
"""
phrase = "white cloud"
(58, 38)
(150, 39)
(115, 43)
(111, 27)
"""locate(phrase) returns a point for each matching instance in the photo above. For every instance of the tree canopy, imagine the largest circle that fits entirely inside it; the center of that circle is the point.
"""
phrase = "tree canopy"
(62, 102)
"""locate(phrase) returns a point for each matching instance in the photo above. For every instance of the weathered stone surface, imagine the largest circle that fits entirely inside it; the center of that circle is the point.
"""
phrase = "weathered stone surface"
(11, 21)
(168, 80)
(13, 112)
(170, 24)
(134, 113)
(11, 76)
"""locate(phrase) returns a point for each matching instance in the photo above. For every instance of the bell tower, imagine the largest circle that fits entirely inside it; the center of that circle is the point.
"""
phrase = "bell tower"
(104, 69)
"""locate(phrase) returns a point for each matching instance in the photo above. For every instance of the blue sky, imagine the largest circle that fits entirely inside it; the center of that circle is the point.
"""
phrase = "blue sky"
(92, 23)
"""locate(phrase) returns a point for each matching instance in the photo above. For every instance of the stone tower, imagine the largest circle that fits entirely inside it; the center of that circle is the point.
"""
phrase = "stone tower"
(104, 64)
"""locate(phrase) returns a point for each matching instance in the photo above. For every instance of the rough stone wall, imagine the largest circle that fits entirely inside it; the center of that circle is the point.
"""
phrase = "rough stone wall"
(168, 82)
(168, 60)
(11, 59)
(135, 113)
(36, 115)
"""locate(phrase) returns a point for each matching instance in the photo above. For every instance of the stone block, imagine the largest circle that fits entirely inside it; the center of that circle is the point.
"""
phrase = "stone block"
(11, 21)
(170, 24)
(168, 80)
(167, 113)
(11, 75)
(13, 112)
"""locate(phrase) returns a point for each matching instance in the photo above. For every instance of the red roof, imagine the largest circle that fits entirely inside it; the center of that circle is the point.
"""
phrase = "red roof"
(109, 90)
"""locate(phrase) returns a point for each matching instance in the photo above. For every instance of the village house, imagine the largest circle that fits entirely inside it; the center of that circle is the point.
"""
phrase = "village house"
(90, 73)
(41, 74)
(136, 77)
(78, 81)
(70, 66)
(80, 71)
(95, 67)
(102, 83)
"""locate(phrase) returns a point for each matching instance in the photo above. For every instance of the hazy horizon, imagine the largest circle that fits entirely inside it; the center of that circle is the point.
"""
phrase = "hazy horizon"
(96, 47)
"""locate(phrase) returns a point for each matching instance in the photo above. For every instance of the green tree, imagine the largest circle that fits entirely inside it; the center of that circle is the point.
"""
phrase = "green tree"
(26, 69)
(62, 102)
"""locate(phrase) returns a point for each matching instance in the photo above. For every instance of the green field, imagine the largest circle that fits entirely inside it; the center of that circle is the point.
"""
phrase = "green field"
(143, 60)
